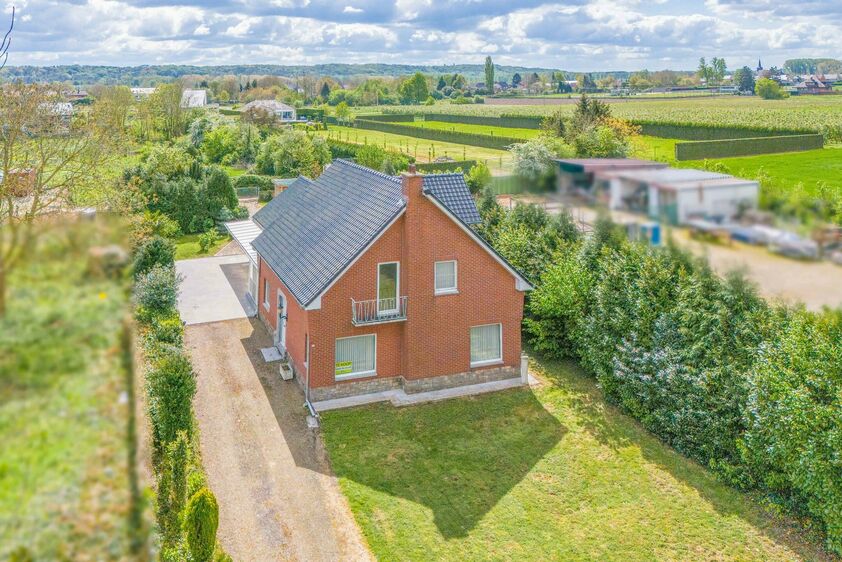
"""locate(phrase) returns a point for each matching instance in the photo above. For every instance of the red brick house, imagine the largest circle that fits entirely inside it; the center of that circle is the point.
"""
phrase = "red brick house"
(371, 282)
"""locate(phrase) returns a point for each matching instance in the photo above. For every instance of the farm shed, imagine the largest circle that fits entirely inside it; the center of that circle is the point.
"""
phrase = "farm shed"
(677, 195)
(577, 174)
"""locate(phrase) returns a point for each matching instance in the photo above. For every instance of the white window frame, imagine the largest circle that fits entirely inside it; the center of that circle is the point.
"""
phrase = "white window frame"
(266, 293)
(449, 290)
(496, 361)
(358, 374)
(397, 288)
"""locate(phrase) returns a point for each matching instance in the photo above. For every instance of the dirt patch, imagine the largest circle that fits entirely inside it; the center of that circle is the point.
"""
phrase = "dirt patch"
(278, 498)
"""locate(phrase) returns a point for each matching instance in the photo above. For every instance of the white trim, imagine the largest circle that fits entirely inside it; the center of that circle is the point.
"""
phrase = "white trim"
(521, 284)
(281, 328)
(316, 303)
(361, 374)
(449, 290)
(397, 288)
(486, 362)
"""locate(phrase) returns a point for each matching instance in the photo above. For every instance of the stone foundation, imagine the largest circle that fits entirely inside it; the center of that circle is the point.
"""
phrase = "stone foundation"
(368, 386)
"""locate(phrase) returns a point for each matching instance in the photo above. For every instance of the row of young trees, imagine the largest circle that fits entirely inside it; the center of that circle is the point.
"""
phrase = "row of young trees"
(749, 389)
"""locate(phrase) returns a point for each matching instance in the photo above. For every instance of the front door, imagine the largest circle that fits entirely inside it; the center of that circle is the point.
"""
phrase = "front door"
(281, 332)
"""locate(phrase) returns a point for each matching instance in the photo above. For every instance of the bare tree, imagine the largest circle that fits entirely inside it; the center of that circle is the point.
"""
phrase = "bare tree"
(49, 159)
(7, 41)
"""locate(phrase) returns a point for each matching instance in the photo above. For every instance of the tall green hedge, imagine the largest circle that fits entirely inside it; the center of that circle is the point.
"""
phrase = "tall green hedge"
(471, 139)
(696, 132)
(464, 165)
(699, 150)
(390, 117)
(512, 122)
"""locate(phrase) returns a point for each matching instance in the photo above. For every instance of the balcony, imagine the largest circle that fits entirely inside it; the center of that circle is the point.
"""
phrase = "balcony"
(380, 311)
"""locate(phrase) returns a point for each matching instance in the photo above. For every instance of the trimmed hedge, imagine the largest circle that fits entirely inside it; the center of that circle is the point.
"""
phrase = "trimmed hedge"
(472, 139)
(464, 165)
(311, 113)
(512, 122)
(696, 132)
(700, 150)
(229, 112)
(390, 117)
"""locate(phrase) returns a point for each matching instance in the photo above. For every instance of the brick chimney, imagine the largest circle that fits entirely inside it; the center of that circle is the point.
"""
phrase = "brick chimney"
(413, 184)
(415, 269)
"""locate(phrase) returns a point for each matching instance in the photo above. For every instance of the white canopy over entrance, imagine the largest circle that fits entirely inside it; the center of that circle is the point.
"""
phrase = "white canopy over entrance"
(244, 233)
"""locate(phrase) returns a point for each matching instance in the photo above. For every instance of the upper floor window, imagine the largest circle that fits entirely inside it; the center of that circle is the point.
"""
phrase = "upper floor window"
(446, 277)
(388, 287)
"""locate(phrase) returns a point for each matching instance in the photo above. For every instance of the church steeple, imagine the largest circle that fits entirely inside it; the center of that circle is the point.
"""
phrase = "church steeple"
(759, 66)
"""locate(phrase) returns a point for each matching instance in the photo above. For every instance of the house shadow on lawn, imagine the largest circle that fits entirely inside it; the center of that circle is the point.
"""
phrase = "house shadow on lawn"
(613, 428)
(458, 458)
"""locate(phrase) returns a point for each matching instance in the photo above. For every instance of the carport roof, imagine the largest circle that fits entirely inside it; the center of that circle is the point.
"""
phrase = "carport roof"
(244, 233)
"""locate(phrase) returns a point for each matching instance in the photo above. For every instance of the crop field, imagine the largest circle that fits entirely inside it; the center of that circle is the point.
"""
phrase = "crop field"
(819, 113)
(499, 161)
(476, 129)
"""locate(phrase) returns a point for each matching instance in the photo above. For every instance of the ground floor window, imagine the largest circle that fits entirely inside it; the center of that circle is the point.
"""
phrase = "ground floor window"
(486, 344)
(355, 356)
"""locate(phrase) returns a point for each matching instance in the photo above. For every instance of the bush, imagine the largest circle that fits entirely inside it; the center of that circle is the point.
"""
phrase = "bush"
(253, 180)
(293, 153)
(478, 178)
(219, 192)
(170, 386)
(769, 89)
(165, 328)
(155, 251)
(156, 291)
(172, 489)
(207, 240)
(201, 520)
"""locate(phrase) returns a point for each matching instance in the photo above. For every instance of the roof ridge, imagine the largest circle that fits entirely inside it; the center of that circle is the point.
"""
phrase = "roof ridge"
(371, 171)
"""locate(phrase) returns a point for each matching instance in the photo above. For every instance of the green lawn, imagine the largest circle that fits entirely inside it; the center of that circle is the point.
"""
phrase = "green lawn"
(549, 474)
(499, 161)
(476, 129)
(64, 408)
(187, 246)
(233, 172)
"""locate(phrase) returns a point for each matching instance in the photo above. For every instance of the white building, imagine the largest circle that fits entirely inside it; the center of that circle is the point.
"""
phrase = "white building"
(194, 98)
(678, 195)
(280, 110)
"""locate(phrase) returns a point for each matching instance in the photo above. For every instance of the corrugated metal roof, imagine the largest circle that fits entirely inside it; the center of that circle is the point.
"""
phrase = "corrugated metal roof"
(244, 232)
(315, 228)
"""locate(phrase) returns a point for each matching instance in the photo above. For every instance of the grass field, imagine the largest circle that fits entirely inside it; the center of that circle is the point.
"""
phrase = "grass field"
(187, 246)
(554, 475)
(476, 129)
(811, 112)
(64, 408)
(499, 161)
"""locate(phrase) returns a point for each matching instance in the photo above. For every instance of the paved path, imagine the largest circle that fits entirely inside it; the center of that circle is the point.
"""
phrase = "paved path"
(278, 499)
(213, 288)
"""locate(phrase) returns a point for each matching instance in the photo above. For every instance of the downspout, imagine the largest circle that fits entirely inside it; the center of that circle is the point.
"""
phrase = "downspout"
(307, 403)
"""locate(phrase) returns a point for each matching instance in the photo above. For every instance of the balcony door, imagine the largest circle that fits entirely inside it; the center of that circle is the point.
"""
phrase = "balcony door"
(388, 288)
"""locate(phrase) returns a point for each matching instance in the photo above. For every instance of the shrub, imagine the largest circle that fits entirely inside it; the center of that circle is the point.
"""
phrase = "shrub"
(195, 481)
(172, 489)
(167, 329)
(478, 178)
(253, 180)
(201, 520)
(156, 291)
(769, 89)
(219, 192)
(155, 251)
(170, 386)
(293, 153)
(207, 240)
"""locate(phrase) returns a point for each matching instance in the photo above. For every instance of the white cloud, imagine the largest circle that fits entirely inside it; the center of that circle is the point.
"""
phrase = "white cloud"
(352, 10)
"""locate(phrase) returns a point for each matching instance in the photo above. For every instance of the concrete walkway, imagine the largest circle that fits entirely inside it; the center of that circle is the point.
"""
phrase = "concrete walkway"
(278, 499)
(213, 289)
(400, 398)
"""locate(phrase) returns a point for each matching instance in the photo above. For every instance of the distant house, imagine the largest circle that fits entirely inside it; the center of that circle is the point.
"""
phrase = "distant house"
(673, 195)
(194, 98)
(280, 110)
(140, 93)
(812, 85)
(374, 283)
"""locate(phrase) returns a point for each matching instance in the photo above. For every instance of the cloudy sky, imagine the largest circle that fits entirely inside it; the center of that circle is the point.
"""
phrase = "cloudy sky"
(578, 35)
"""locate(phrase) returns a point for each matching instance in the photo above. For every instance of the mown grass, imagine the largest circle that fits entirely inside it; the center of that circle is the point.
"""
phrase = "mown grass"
(187, 246)
(554, 474)
(64, 477)
(499, 161)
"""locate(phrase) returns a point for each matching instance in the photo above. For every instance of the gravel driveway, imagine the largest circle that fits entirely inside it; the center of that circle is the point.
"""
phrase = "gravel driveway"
(278, 499)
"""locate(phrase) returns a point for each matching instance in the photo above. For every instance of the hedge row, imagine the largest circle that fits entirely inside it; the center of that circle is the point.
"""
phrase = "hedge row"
(311, 113)
(471, 139)
(234, 112)
(512, 122)
(696, 132)
(464, 165)
(700, 150)
(390, 117)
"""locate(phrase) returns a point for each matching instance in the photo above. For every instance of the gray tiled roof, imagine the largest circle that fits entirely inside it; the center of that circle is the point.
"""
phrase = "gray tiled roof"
(267, 214)
(315, 228)
(452, 191)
